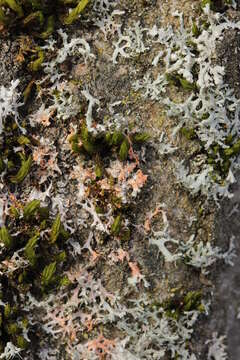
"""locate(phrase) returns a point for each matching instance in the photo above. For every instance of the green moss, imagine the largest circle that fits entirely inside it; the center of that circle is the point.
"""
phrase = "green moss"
(116, 226)
(141, 138)
(123, 151)
(176, 306)
(7, 311)
(88, 142)
(49, 27)
(6, 238)
(125, 235)
(29, 250)
(3, 18)
(233, 150)
(31, 208)
(190, 134)
(23, 171)
(216, 5)
(116, 138)
(38, 16)
(192, 301)
(103, 144)
(64, 281)
(43, 213)
(98, 171)
(225, 154)
(15, 6)
(37, 64)
(74, 141)
(61, 257)
(186, 85)
(12, 328)
(23, 140)
(28, 90)
(208, 2)
(179, 81)
(2, 166)
(16, 165)
(38, 253)
(33, 17)
(195, 30)
(48, 274)
(56, 228)
(35, 4)
(11, 324)
(21, 342)
(74, 14)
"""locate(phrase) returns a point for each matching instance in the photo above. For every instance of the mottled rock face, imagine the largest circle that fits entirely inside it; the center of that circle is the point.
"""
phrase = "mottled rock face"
(226, 304)
(228, 52)
(145, 236)
(9, 67)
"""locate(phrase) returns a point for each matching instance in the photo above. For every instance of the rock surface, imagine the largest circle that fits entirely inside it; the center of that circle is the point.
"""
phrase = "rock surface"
(162, 196)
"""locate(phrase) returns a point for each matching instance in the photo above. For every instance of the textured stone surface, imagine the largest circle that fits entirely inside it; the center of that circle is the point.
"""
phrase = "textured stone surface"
(111, 83)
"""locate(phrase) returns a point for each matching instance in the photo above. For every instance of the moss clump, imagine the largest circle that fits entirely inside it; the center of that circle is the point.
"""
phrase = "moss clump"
(40, 243)
(181, 82)
(177, 305)
(220, 158)
(15, 166)
(39, 16)
(12, 326)
(28, 228)
(189, 133)
(115, 142)
(100, 149)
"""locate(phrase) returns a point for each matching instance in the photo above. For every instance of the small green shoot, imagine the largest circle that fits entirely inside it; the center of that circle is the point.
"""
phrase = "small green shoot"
(23, 171)
(47, 276)
(56, 228)
(6, 238)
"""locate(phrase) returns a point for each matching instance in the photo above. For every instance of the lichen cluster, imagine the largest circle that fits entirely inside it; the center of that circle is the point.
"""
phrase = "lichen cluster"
(86, 267)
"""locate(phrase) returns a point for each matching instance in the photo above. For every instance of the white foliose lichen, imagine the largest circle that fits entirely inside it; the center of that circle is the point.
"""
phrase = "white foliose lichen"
(9, 103)
(161, 238)
(217, 348)
(76, 46)
(10, 352)
(211, 110)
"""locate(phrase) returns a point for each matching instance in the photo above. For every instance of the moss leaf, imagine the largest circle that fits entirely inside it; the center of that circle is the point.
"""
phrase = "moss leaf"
(56, 228)
(116, 226)
(6, 238)
(23, 171)
(29, 250)
(47, 276)
(31, 208)
(76, 12)
(123, 152)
